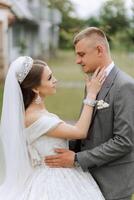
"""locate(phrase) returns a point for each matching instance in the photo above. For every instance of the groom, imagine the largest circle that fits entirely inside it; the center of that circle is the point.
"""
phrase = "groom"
(108, 151)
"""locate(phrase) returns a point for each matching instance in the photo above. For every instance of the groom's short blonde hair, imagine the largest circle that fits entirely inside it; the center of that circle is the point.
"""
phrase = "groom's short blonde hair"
(92, 32)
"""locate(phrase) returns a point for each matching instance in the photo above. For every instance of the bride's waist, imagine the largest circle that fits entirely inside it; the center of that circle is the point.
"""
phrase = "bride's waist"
(38, 153)
(39, 159)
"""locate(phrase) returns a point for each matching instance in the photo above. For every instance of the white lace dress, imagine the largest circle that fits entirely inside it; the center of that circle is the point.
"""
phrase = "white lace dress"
(54, 183)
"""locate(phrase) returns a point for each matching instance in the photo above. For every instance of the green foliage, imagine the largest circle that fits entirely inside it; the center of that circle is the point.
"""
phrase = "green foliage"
(113, 17)
(93, 21)
(70, 25)
(65, 7)
(22, 46)
(132, 8)
(119, 28)
(131, 29)
(65, 39)
(123, 40)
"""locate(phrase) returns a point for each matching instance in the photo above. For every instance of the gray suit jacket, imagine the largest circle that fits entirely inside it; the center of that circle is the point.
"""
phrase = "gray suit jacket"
(108, 151)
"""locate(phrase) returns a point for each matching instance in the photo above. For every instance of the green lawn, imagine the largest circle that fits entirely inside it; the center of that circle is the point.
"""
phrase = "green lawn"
(65, 69)
(67, 102)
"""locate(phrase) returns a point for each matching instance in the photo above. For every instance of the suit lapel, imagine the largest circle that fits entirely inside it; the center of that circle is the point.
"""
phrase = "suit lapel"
(106, 87)
(104, 91)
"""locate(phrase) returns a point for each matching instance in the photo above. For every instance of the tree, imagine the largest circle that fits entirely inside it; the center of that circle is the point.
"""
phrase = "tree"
(93, 21)
(131, 29)
(132, 8)
(65, 7)
(113, 17)
(69, 24)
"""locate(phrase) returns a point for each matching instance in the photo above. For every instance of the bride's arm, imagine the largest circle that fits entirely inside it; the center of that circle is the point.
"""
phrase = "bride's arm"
(77, 131)
(80, 129)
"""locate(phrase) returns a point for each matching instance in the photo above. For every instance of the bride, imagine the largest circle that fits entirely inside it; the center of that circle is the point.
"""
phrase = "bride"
(29, 133)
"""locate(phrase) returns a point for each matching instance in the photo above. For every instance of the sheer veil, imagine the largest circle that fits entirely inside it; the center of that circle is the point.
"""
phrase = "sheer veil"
(17, 162)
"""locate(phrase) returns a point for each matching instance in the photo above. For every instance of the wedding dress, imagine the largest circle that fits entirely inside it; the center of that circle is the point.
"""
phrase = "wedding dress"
(27, 177)
(54, 183)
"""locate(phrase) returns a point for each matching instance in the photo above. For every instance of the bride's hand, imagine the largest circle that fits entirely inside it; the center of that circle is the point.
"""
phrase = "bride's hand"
(94, 85)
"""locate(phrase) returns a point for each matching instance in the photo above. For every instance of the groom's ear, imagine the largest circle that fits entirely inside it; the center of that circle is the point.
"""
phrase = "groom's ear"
(100, 50)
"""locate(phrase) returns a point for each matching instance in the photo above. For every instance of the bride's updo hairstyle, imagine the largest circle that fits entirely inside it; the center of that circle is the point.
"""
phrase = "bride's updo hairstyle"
(32, 80)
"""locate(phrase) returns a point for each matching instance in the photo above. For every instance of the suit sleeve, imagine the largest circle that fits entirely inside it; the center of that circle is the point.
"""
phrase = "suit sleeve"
(122, 142)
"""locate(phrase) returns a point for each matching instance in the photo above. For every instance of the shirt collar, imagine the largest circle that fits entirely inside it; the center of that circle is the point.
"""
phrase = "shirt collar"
(109, 68)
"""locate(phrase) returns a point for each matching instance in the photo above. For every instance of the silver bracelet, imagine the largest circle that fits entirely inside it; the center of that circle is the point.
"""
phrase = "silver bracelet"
(90, 102)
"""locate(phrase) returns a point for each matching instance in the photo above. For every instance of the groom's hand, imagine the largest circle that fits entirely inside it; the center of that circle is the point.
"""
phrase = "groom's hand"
(64, 158)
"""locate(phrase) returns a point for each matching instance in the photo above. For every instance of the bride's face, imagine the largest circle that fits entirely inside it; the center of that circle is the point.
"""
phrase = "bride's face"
(48, 83)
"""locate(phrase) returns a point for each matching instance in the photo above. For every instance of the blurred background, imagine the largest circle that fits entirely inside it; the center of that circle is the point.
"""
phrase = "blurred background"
(45, 29)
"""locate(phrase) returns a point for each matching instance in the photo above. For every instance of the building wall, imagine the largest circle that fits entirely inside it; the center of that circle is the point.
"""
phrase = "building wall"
(36, 37)
(23, 40)
(3, 44)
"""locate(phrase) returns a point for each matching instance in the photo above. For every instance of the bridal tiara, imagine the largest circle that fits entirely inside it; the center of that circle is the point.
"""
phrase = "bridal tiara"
(26, 67)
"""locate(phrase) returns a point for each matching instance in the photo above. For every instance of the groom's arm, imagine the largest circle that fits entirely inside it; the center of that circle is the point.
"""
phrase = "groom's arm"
(122, 142)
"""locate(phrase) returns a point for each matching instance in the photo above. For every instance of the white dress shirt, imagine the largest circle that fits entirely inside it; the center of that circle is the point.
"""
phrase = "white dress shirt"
(109, 68)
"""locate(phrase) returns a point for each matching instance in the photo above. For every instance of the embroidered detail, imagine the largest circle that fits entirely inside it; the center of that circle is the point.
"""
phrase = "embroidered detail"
(27, 67)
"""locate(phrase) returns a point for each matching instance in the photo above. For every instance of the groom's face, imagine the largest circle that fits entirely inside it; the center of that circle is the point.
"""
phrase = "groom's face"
(86, 55)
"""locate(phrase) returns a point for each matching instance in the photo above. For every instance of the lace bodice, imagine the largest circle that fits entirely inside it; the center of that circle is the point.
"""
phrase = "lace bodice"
(39, 144)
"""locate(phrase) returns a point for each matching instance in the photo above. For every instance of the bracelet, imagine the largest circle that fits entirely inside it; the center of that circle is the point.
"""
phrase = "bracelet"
(90, 102)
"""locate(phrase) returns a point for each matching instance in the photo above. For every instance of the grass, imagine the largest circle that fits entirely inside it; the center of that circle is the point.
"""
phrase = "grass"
(65, 69)
(125, 61)
(67, 102)
(64, 103)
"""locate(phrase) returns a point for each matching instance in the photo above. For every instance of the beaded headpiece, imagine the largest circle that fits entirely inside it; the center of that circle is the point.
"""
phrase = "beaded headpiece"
(27, 65)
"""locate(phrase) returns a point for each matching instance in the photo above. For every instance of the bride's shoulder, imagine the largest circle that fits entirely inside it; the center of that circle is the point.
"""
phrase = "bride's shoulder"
(31, 117)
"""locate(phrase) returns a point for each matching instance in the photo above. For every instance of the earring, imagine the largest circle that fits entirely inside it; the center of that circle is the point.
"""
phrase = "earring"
(38, 99)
